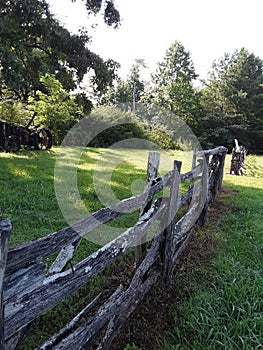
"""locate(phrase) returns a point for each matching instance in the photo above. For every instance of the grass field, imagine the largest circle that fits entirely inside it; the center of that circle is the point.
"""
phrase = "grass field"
(28, 198)
(225, 308)
(104, 177)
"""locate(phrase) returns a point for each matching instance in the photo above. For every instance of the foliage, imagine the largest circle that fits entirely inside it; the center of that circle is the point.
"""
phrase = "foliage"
(14, 111)
(173, 85)
(55, 109)
(161, 137)
(109, 125)
(176, 63)
(83, 102)
(33, 43)
(110, 13)
(233, 101)
(135, 81)
(120, 95)
(128, 91)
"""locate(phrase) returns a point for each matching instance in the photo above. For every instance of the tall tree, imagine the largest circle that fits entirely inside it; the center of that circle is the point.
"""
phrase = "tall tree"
(135, 81)
(33, 43)
(176, 64)
(128, 91)
(233, 99)
(173, 84)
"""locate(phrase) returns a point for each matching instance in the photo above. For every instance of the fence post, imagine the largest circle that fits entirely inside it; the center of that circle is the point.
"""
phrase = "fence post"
(152, 174)
(5, 230)
(171, 213)
(205, 185)
(221, 169)
(191, 186)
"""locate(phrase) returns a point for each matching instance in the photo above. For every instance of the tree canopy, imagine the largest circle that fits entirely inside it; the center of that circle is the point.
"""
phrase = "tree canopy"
(172, 84)
(110, 13)
(41, 63)
(33, 43)
(233, 100)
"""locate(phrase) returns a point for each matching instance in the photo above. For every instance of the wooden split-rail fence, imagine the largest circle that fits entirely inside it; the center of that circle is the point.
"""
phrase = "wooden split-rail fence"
(29, 289)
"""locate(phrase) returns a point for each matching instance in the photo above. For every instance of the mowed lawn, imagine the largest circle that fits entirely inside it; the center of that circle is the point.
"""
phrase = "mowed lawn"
(27, 193)
(225, 308)
(29, 199)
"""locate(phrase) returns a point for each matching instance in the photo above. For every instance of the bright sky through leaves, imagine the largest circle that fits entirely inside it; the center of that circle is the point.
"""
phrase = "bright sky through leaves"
(206, 28)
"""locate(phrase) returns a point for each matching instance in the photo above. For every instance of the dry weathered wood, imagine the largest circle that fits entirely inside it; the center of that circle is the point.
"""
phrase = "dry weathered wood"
(216, 172)
(145, 276)
(191, 186)
(57, 287)
(130, 302)
(152, 167)
(221, 170)
(117, 309)
(77, 339)
(182, 247)
(152, 174)
(170, 225)
(64, 256)
(22, 282)
(191, 174)
(5, 231)
(205, 182)
(17, 339)
(24, 302)
(238, 158)
(184, 225)
(211, 152)
(27, 253)
(69, 327)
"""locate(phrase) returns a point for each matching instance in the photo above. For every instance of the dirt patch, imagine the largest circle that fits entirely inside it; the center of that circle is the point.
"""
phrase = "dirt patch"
(153, 318)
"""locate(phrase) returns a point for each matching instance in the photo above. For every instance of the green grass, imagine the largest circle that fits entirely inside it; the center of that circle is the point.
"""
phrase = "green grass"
(28, 199)
(224, 309)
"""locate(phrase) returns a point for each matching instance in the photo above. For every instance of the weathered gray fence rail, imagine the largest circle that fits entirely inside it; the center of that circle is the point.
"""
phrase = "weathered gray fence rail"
(28, 289)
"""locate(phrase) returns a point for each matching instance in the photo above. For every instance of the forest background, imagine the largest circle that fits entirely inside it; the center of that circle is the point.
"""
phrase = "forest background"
(43, 66)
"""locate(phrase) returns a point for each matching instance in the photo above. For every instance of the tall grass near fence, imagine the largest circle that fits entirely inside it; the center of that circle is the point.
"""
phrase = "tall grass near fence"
(225, 311)
(28, 198)
(34, 297)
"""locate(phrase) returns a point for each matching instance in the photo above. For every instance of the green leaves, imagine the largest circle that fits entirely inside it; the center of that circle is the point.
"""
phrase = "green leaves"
(110, 13)
(235, 92)
(55, 110)
(173, 84)
(33, 43)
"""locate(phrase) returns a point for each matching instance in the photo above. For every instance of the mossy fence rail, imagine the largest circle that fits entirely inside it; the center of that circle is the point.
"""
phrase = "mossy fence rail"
(29, 289)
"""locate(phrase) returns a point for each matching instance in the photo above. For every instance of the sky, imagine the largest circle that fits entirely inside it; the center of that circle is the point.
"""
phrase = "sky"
(206, 28)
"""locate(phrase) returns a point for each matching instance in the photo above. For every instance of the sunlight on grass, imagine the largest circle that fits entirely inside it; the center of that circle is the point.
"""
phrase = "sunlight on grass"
(254, 172)
(225, 311)
(21, 172)
(227, 306)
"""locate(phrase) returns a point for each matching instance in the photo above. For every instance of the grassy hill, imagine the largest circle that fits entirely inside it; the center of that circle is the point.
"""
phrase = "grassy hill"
(220, 306)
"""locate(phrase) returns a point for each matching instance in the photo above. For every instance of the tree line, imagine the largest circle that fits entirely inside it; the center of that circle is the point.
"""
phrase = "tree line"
(42, 64)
